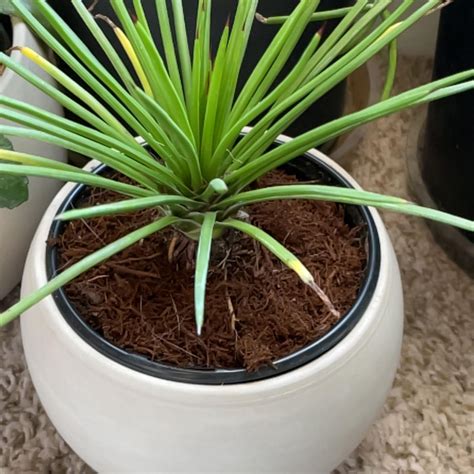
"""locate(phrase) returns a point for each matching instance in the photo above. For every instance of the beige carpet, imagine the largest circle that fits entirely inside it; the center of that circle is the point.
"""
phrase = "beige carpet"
(428, 422)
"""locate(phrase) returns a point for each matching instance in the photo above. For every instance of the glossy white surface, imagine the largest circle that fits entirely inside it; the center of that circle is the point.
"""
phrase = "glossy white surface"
(308, 420)
(17, 227)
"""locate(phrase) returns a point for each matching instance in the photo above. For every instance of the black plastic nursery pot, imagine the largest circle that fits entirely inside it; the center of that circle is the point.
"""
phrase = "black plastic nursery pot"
(329, 107)
(307, 167)
(446, 150)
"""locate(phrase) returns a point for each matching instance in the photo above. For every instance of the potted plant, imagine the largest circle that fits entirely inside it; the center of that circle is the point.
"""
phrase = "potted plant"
(185, 345)
(17, 228)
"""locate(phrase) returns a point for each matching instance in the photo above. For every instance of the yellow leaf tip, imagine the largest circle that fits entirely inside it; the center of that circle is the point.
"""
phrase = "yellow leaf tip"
(301, 271)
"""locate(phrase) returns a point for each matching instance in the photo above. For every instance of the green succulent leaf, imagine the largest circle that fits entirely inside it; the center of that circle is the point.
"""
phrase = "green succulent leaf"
(13, 189)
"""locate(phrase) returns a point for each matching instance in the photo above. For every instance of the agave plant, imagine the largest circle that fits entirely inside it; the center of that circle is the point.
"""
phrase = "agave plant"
(185, 105)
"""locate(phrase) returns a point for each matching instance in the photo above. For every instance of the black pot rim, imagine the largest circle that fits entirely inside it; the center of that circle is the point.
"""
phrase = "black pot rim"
(225, 376)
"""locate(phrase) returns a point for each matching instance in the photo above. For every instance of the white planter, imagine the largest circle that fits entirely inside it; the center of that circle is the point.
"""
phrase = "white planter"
(306, 420)
(18, 226)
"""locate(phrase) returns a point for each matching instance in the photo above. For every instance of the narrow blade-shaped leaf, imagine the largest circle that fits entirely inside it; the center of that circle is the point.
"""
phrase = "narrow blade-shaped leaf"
(168, 45)
(183, 46)
(212, 108)
(74, 177)
(202, 267)
(343, 196)
(125, 207)
(283, 254)
(82, 266)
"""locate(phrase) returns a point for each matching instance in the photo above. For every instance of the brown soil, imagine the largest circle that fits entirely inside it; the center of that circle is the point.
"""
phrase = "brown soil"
(257, 310)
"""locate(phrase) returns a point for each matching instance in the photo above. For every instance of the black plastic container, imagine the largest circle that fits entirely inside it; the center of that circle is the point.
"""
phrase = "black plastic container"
(447, 164)
(446, 159)
(328, 108)
(6, 32)
(305, 168)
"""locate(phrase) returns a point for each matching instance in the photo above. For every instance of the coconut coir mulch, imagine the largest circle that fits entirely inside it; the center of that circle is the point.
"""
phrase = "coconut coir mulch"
(257, 310)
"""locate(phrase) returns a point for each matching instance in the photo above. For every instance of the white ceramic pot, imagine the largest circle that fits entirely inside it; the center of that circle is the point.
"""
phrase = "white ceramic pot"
(305, 420)
(18, 226)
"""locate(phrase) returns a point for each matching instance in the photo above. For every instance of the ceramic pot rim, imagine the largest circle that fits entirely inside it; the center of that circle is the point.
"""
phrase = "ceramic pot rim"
(224, 376)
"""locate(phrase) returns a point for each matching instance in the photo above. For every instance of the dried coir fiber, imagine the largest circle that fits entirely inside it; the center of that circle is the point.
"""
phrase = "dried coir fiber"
(257, 310)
